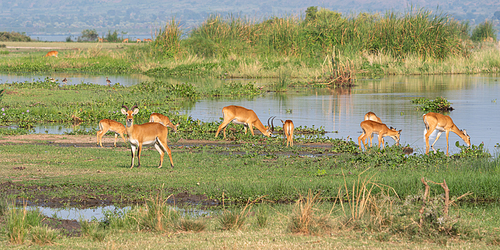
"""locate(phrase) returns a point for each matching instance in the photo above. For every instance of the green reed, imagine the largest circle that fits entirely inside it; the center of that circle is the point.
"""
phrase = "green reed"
(419, 32)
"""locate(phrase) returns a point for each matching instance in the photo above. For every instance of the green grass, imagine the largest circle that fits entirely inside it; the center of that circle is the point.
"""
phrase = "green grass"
(237, 174)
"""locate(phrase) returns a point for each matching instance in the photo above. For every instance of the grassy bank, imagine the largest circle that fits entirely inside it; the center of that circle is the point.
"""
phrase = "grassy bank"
(326, 199)
(236, 174)
(311, 48)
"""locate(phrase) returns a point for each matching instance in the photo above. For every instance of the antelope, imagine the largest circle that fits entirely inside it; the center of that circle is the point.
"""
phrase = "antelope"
(441, 123)
(106, 125)
(159, 118)
(369, 127)
(247, 117)
(372, 117)
(101, 39)
(51, 53)
(138, 40)
(150, 133)
(288, 132)
(148, 40)
(125, 40)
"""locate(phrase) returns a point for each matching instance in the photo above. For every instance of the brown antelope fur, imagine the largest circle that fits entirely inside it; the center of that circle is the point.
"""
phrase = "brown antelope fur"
(372, 117)
(369, 127)
(106, 125)
(51, 53)
(101, 40)
(164, 120)
(441, 123)
(147, 40)
(288, 132)
(138, 40)
(125, 40)
(150, 133)
(241, 115)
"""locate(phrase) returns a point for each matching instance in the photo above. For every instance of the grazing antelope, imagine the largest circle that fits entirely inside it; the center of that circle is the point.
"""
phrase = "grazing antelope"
(247, 117)
(164, 120)
(369, 127)
(148, 40)
(441, 123)
(138, 40)
(125, 40)
(51, 53)
(288, 132)
(106, 125)
(372, 117)
(150, 133)
(108, 81)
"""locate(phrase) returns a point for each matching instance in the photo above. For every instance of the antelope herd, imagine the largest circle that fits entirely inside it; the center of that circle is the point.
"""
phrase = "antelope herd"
(155, 131)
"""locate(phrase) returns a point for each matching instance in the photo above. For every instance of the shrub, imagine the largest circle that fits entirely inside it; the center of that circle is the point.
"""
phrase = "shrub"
(483, 32)
(439, 104)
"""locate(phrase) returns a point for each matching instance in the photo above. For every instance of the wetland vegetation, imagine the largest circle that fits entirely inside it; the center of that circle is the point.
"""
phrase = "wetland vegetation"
(321, 193)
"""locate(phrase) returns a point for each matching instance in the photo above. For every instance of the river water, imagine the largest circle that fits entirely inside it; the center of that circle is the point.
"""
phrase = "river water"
(475, 99)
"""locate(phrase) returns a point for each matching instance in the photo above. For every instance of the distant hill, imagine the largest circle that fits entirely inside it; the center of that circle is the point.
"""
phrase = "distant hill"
(44, 17)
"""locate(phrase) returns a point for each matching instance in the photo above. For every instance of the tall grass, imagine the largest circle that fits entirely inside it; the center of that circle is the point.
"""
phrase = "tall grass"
(416, 32)
(19, 222)
(167, 41)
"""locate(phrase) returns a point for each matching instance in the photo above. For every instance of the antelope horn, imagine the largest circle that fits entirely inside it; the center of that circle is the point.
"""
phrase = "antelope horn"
(272, 123)
(123, 106)
(135, 106)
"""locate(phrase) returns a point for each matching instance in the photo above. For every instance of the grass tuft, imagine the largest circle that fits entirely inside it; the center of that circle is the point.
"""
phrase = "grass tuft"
(306, 219)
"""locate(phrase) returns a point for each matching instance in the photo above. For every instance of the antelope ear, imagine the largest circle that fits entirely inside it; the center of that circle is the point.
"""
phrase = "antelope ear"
(124, 111)
(136, 110)
(465, 132)
(400, 130)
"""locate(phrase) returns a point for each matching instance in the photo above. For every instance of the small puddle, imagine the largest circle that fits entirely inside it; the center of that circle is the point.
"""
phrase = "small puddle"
(99, 213)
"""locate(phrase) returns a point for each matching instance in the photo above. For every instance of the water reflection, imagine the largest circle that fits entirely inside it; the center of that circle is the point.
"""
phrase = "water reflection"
(99, 213)
(473, 97)
(74, 78)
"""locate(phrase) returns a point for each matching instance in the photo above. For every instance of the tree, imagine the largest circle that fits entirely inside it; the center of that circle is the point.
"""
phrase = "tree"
(88, 35)
(311, 13)
(496, 15)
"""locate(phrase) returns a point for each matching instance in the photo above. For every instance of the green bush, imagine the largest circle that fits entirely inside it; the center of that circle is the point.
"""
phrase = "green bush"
(484, 31)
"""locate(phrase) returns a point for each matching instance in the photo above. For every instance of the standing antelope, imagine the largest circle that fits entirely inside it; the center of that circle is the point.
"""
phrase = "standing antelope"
(150, 133)
(288, 132)
(159, 118)
(372, 117)
(106, 125)
(100, 39)
(247, 117)
(51, 53)
(369, 127)
(138, 40)
(441, 123)
(125, 40)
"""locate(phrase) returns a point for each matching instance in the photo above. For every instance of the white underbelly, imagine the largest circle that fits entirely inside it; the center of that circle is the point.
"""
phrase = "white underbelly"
(135, 142)
(238, 122)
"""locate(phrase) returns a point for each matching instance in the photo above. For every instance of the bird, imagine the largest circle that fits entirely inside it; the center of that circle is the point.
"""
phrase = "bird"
(65, 80)
(108, 81)
(52, 79)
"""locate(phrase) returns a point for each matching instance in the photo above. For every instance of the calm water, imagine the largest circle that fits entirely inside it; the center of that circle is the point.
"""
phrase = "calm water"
(74, 78)
(473, 97)
(62, 38)
(475, 100)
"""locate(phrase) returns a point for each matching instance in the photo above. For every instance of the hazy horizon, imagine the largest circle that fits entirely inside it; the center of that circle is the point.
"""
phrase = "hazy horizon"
(130, 18)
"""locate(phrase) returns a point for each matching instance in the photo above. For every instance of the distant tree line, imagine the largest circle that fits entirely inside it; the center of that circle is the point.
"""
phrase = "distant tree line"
(14, 37)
